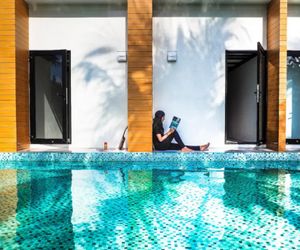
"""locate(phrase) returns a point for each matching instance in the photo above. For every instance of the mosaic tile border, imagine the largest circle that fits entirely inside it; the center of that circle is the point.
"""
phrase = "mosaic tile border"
(148, 157)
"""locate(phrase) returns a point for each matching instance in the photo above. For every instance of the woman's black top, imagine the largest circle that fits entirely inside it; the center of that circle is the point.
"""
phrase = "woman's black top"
(157, 129)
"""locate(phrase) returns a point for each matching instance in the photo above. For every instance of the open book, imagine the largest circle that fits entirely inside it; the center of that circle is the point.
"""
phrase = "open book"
(175, 122)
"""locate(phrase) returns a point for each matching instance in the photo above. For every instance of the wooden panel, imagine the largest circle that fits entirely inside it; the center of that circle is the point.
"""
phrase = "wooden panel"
(135, 73)
(8, 147)
(14, 126)
(139, 7)
(135, 15)
(277, 52)
(7, 77)
(22, 88)
(141, 54)
(139, 23)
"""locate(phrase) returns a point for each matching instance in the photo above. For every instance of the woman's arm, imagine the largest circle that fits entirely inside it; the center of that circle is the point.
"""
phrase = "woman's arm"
(162, 138)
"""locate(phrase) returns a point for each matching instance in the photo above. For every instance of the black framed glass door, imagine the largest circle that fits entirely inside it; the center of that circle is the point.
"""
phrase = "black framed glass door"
(50, 116)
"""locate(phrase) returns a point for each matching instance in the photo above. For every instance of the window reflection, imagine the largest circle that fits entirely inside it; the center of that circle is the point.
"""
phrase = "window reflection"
(293, 98)
(8, 207)
(44, 209)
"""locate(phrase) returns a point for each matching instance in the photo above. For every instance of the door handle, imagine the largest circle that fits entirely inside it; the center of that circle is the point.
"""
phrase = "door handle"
(67, 96)
(257, 92)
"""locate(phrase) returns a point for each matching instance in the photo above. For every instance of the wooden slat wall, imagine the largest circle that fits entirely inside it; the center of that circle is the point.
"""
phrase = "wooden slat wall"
(139, 21)
(13, 75)
(277, 74)
(22, 90)
(8, 133)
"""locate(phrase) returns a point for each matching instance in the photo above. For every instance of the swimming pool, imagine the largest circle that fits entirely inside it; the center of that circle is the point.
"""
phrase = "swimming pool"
(150, 205)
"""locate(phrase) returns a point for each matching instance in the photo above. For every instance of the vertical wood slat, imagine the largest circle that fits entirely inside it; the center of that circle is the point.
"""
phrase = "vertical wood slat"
(139, 27)
(14, 126)
(22, 90)
(8, 136)
(277, 78)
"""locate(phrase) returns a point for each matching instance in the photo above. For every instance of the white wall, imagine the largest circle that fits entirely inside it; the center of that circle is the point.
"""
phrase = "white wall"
(193, 88)
(94, 34)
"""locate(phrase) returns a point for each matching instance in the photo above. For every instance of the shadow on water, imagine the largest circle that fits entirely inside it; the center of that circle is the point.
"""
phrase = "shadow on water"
(44, 210)
(128, 219)
(264, 188)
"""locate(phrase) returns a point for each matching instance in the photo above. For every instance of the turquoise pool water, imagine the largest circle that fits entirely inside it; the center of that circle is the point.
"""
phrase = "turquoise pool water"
(149, 206)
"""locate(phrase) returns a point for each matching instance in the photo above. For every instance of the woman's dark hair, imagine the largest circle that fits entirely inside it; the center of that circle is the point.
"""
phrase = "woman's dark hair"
(157, 123)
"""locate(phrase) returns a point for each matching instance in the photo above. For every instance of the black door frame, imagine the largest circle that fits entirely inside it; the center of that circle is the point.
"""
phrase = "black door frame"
(66, 80)
(244, 56)
(293, 53)
(261, 93)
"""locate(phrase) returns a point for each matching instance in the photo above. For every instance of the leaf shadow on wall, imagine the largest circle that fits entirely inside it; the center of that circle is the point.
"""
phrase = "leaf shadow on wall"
(104, 106)
(194, 86)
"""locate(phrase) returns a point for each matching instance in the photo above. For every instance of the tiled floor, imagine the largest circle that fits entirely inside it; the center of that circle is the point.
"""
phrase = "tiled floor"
(225, 148)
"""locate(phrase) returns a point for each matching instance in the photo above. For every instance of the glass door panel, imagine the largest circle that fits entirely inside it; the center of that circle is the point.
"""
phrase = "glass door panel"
(293, 97)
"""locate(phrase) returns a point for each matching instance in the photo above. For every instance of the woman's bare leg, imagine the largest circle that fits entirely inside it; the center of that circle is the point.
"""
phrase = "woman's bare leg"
(204, 147)
(186, 149)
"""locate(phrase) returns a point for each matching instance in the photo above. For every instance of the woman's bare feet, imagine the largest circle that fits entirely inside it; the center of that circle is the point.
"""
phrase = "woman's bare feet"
(204, 147)
(186, 149)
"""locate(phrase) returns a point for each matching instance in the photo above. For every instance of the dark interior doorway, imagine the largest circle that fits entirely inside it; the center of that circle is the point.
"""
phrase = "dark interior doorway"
(245, 103)
(50, 116)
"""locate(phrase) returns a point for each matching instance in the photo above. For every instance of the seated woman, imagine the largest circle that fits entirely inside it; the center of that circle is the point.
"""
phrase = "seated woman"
(163, 141)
